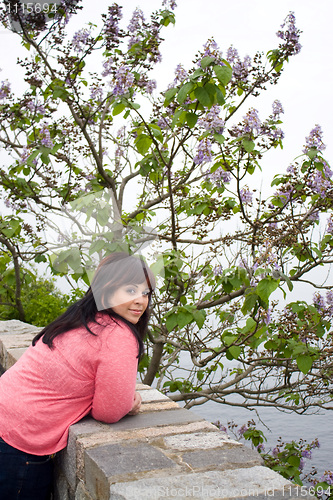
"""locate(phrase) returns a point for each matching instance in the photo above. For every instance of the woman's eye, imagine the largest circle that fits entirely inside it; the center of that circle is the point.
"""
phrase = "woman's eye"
(131, 291)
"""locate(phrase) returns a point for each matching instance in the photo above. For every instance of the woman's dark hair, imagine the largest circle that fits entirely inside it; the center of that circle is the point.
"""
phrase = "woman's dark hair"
(114, 271)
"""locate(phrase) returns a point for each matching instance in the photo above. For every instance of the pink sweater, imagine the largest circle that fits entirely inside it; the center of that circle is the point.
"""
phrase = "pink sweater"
(47, 390)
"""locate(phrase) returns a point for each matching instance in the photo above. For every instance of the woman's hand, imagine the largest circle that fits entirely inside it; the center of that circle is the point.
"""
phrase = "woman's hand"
(136, 405)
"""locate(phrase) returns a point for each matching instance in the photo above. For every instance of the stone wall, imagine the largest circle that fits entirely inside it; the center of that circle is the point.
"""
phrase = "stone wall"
(163, 452)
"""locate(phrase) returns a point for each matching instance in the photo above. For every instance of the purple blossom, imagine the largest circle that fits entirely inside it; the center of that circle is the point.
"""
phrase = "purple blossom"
(307, 454)
(314, 140)
(267, 316)
(319, 183)
(45, 136)
(150, 86)
(218, 176)
(246, 196)
(111, 28)
(212, 121)
(171, 4)
(327, 477)
(211, 49)
(292, 170)
(232, 54)
(137, 21)
(96, 93)
(240, 70)
(135, 27)
(277, 109)
(251, 125)
(290, 35)
(319, 301)
(4, 89)
(36, 107)
(124, 80)
(242, 429)
(108, 66)
(217, 271)
(80, 39)
(24, 156)
(180, 74)
(163, 122)
(204, 152)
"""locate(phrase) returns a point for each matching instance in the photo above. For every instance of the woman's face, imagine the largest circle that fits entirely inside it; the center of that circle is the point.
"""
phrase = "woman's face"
(130, 301)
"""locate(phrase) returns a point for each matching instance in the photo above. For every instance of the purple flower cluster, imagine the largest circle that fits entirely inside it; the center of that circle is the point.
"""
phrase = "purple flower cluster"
(321, 182)
(124, 80)
(180, 74)
(80, 40)
(246, 196)
(251, 125)
(325, 307)
(135, 27)
(219, 177)
(111, 28)
(290, 34)
(327, 477)
(171, 4)
(4, 89)
(241, 69)
(212, 121)
(314, 140)
(45, 136)
(24, 156)
(211, 49)
(96, 93)
(150, 86)
(204, 152)
(108, 66)
(277, 109)
(329, 227)
(36, 107)
(217, 270)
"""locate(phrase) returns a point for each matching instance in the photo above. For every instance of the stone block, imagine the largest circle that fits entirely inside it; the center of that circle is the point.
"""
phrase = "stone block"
(199, 440)
(152, 395)
(109, 463)
(254, 482)
(112, 436)
(223, 458)
(160, 406)
(152, 419)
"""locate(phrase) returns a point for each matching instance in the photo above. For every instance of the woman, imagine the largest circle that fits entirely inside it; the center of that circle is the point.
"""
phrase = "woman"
(85, 362)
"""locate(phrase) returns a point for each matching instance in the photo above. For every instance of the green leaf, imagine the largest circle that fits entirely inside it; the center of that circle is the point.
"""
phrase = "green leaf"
(191, 119)
(266, 287)
(304, 363)
(199, 317)
(206, 61)
(143, 143)
(203, 97)
(248, 145)
(118, 108)
(223, 73)
(171, 322)
(169, 95)
(184, 91)
(235, 351)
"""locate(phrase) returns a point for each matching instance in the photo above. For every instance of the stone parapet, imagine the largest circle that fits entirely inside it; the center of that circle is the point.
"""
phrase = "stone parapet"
(163, 452)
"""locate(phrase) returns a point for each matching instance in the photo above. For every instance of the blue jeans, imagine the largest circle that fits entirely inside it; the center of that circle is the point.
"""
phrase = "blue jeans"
(24, 476)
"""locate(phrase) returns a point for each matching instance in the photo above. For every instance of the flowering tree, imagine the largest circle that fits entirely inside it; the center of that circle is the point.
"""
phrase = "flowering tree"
(186, 162)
